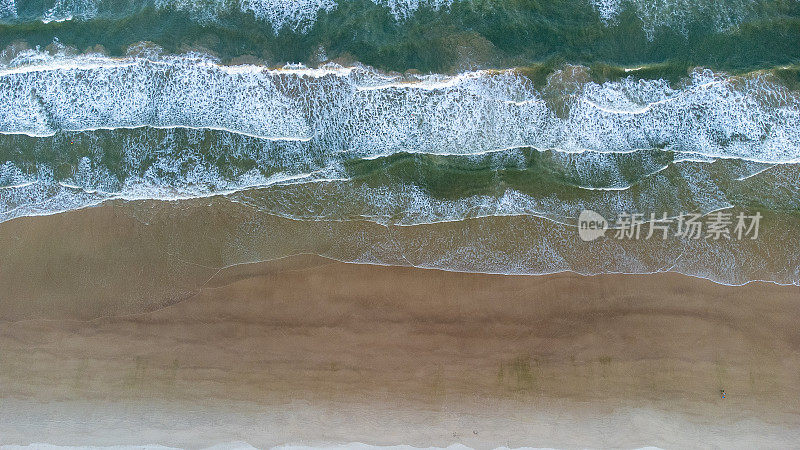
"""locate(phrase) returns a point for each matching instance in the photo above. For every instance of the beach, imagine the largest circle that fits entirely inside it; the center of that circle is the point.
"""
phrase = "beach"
(306, 350)
(234, 224)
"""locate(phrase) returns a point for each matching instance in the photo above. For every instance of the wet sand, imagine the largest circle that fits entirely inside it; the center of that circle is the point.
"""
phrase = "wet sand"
(308, 350)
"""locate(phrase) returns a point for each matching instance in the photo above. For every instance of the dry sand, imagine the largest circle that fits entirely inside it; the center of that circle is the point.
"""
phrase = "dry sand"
(308, 350)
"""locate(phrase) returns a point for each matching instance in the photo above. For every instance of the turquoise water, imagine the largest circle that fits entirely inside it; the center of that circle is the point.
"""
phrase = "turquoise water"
(405, 113)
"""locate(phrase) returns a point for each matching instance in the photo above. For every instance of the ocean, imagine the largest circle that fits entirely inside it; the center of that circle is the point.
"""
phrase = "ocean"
(458, 135)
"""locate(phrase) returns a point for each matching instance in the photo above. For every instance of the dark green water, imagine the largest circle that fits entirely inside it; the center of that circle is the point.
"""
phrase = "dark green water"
(469, 34)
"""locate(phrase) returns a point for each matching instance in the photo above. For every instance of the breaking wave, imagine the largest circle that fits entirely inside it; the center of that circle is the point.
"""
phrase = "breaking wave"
(680, 14)
(356, 143)
(296, 15)
(300, 15)
(356, 109)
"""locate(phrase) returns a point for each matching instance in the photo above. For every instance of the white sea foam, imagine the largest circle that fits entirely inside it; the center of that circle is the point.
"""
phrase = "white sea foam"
(92, 186)
(8, 9)
(679, 14)
(300, 15)
(297, 124)
(408, 204)
(295, 15)
(299, 181)
(149, 164)
(361, 111)
(68, 9)
(403, 9)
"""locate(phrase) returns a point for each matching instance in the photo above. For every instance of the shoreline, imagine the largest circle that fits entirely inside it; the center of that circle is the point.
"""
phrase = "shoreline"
(87, 256)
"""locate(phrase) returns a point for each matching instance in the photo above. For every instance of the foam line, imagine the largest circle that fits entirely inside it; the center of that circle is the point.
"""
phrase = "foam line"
(354, 109)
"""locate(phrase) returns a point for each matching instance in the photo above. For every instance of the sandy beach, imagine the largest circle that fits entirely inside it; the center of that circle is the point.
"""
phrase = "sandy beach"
(308, 350)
